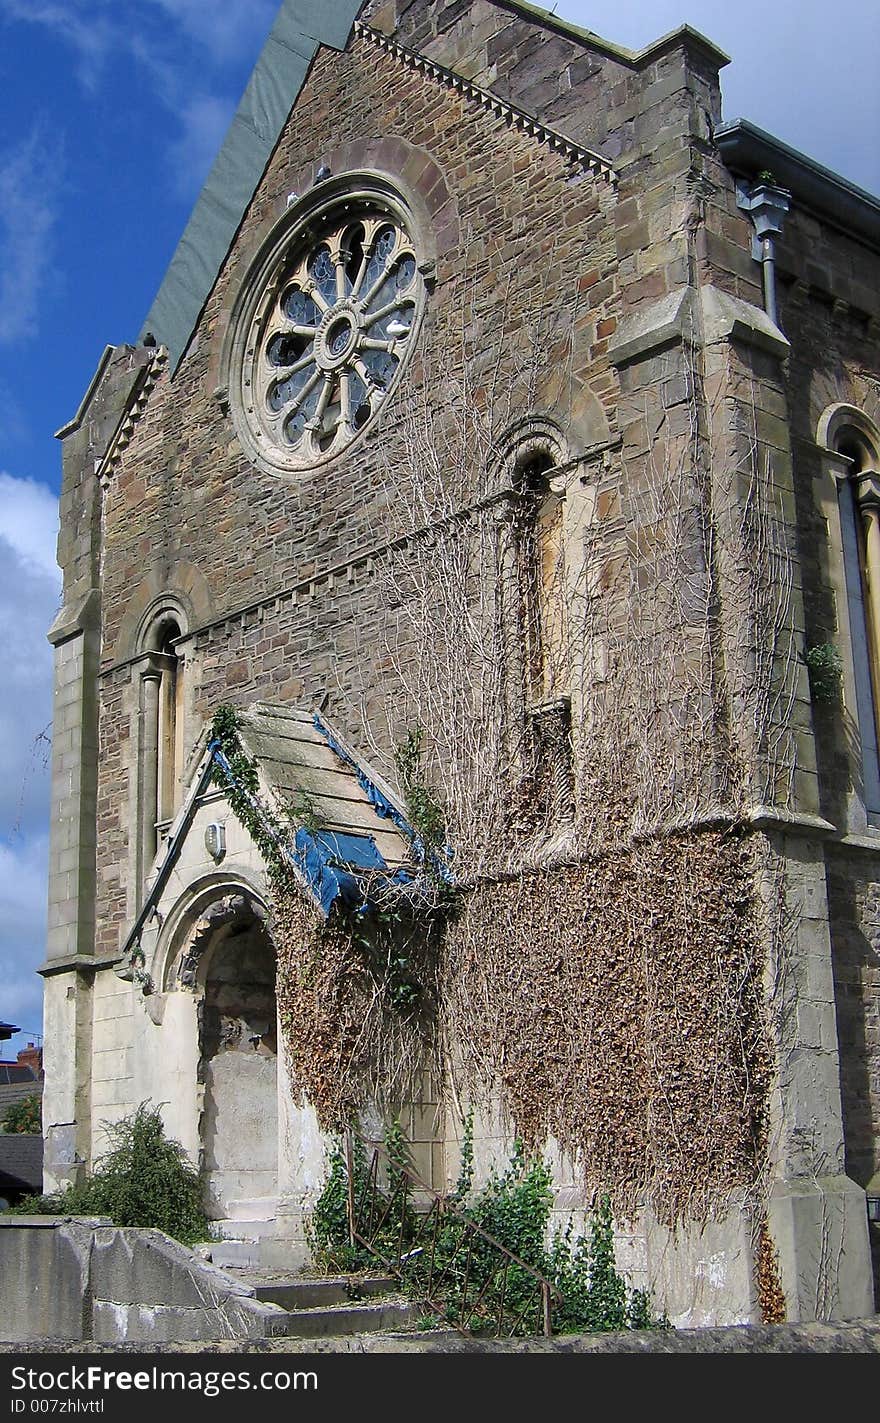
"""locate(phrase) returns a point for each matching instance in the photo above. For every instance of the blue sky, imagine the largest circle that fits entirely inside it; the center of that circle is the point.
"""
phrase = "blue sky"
(111, 112)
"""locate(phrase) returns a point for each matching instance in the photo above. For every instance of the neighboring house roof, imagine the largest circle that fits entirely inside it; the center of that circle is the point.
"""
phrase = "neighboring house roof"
(21, 1163)
(17, 1072)
(13, 1092)
(8, 1030)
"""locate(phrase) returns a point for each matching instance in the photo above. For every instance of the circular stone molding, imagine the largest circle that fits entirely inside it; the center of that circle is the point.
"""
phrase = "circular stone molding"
(327, 318)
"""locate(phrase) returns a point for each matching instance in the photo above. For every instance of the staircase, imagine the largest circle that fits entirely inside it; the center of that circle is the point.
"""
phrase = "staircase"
(320, 1308)
(250, 1253)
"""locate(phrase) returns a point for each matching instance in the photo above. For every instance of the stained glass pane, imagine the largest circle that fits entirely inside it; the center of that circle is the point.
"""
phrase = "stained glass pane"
(405, 272)
(299, 308)
(323, 272)
(357, 391)
(381, 365)
(287, 350)
(394, 325)
(383, 246)
(294, 428)
(353, 255)
(284, 391)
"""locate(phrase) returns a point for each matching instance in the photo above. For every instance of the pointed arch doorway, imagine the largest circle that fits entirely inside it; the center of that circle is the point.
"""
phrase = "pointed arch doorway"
(238, 1064)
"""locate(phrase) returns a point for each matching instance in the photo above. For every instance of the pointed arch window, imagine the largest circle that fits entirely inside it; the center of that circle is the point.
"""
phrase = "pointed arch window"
(543, 557)
(170, 727)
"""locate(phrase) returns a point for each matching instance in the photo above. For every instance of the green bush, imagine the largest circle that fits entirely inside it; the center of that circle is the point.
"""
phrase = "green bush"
(513, 1207)
(144, 1179)
(23, 1118)
(327, 1230)
(825, 669)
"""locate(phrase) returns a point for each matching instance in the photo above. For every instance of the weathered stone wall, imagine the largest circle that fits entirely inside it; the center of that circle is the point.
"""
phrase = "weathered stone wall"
(254, 536)
(83, 1280)
(854, 905)
(830, 310)
(646, 296)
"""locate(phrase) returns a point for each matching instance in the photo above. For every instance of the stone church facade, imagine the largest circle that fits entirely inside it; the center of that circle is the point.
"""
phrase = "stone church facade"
(498, 390)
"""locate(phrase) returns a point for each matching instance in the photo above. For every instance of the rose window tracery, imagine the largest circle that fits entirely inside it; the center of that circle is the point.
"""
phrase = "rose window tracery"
(331, 336)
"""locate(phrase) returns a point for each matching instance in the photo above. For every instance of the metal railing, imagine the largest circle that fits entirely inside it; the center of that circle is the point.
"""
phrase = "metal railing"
(464, 1275)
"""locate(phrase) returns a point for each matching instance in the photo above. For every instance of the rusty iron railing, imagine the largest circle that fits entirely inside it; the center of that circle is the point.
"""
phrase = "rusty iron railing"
(463, 1274)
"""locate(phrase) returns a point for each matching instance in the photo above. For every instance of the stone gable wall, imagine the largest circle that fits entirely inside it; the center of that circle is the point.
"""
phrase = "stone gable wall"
(183, 490)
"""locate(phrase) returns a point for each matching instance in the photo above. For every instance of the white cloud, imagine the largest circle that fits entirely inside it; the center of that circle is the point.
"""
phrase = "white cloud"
(222, 29)
(204, 122)
(23, 901)
(29, 522)
(29, 592)
(27, 216)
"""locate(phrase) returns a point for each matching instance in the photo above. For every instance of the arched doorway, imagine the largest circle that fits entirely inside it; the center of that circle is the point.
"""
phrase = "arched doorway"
(238, 1066)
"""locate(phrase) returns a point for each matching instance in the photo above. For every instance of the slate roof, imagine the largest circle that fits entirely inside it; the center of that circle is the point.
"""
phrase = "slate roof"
(11, 1072)
(300, 27)
(21, 1163)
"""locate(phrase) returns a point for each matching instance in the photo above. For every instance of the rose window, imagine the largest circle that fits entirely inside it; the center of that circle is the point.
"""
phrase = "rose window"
(331, 337)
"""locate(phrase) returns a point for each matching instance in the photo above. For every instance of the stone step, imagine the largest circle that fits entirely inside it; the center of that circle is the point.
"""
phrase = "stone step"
(257, 1208)
(300, 1292)
(254, 1229)
(373, 1318)
(235, 1254)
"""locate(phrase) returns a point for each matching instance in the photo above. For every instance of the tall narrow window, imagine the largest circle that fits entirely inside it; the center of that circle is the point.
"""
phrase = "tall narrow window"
(170, 730)
(852, 447)
(160, 731)
(545, 612)
(545, 632)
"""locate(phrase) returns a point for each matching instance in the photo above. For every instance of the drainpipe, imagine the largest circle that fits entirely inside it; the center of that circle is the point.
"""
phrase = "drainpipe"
(766, 205)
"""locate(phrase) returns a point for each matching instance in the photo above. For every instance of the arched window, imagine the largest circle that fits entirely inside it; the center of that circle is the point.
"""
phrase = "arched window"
(170, 730)
(543, 558)
(543, 574)
(851, 445)
(160, 676)
(544, 616)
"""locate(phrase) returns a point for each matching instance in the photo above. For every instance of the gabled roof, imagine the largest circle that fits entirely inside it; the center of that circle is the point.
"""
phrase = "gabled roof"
(335, 822)
(301, 26)
(310, 767)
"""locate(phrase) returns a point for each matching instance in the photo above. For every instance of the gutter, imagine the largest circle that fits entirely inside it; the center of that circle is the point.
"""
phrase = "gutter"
(748, 150)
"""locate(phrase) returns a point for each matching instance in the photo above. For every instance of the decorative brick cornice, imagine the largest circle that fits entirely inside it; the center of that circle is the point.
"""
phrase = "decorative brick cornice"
(135, 406)
(516, 118)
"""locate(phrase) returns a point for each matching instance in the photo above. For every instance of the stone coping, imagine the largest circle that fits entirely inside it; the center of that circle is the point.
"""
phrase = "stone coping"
(859, 1336)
